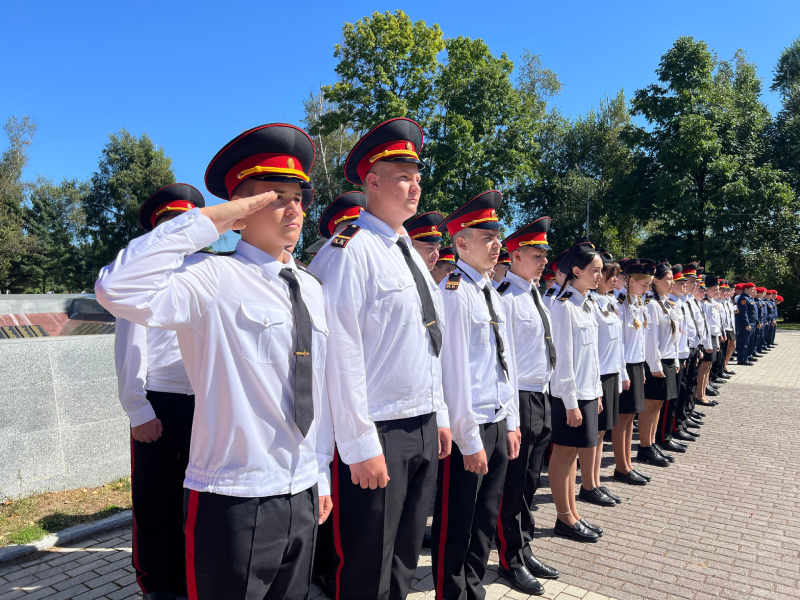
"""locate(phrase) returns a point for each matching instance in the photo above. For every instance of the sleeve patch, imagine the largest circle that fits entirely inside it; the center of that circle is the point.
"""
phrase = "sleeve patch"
(344, 237)
(501, 289)
(744, 302)
(453, 281)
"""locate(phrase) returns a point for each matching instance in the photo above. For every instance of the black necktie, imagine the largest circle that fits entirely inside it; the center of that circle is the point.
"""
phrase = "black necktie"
(496, 326)
(428, 310)
(551, 349)
(303, 366)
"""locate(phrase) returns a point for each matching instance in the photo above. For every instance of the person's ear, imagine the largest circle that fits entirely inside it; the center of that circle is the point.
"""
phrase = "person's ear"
(371, 181)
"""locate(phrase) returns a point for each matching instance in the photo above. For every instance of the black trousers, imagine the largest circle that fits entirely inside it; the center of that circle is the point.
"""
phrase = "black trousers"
(742, 344)
(687, 390)
(515, 523)
(465, 518)
(157, 472)
(717, 365)
(667, 418)
(378, 533)
(250, 548)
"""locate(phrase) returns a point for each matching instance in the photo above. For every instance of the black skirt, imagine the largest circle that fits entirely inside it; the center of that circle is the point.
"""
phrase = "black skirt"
(711, 356)
(610, 415)
(582, 436)
(631, 401)
(662, 388)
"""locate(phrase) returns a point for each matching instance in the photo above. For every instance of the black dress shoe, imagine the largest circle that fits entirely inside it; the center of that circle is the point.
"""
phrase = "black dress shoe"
(327, 583)
(694, 434)
(728, 374)
(711, 392)
(704, 402)
(649, 455)
(683, 435)
(538, 569)
(692, 424)
(595, 496)
(698, 414)
(657, 447)
(713, 385)
(631, 477)
(578, 532)
(520, 579)
(697, 420)
(597, 529)
(753, 358)
(608, 493)
(644, 476)
(674, 446)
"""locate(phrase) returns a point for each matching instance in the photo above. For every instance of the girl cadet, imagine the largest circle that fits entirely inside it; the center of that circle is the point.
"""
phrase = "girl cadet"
(711, 310)
(638, 274)
(661, 367)
(575, 386)
(613, 378)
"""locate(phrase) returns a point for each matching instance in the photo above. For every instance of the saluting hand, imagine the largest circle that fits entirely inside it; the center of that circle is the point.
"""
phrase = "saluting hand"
(514, 438)
(476, 463)
(371, 473)
(325, 507)
(445, 442)
(229, 215)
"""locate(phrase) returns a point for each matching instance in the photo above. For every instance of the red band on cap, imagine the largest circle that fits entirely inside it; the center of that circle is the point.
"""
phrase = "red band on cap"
(264, 164)
(531, 239)
(471, 219)
(429, 230)
(174, 206)
(393, 149)
(348, 214)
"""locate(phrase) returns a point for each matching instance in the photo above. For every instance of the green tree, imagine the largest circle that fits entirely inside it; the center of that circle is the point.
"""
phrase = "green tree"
(131, 168)
(12, 192)
(706, 183)
(386, 69)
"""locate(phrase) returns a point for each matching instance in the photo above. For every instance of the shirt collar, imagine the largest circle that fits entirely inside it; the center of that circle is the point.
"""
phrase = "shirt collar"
(269, 264)
(374, 224)
(673, 297)
(478, 278)
(577, 298)
(518, 281)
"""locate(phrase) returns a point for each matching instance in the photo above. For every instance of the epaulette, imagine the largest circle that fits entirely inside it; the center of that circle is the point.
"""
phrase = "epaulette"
(501, 289)
(647, 300)
(453, 281)
(549, 292)
(621, 298)
(589, 297)
(564, 297)
(303, 268)
(347, 234)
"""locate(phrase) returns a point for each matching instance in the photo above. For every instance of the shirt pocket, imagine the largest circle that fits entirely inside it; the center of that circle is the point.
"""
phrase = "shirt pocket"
(265, 333)
(396, 302)
(481, 323)
(587, 334)
(319, 339)
(614, 329)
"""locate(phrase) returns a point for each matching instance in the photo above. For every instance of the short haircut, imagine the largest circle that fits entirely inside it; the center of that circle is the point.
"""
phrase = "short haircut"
(465, 233)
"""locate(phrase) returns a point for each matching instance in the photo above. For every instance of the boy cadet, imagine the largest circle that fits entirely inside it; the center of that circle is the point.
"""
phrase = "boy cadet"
(480, 387)
(501, 268)
(155, 392)
(445, 265)
(384, 374)
(252, 332)
(552, 292)
(425, 236)
(535, 357)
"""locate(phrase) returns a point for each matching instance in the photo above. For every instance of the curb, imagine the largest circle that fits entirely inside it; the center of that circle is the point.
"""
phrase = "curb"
(66, 536)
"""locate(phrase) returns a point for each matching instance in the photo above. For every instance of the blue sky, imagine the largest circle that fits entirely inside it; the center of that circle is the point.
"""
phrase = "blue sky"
(194, 74)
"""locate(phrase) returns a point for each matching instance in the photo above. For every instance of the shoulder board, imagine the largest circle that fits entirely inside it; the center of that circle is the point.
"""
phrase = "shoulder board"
(501, 289)
(550, 292)
(647, 300)
(306, 271)
(590, 298)
(621, 298)
(341, 240)
(453, 281)
(564, 297)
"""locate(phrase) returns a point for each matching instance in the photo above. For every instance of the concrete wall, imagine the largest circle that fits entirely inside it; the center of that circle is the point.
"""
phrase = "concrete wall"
(61, 424)
(21, 304)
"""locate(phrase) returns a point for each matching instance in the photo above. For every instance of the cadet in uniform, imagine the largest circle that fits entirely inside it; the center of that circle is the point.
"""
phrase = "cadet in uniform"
(480, 388)
(252, 332)
(384, 373)
(155, 392)
(559, 277)
(667, 423)
(501, 268)
(445, 265)
(535, 357)
(425, 236)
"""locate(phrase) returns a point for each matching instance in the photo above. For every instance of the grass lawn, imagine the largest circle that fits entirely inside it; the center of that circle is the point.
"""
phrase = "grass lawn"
(29, 519)
(789, 326)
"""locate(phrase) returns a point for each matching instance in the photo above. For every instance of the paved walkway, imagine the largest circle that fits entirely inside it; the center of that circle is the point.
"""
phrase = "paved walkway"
(722, 522)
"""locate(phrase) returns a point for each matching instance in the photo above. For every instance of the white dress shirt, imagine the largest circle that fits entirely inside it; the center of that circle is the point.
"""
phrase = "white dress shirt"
(714, 317)
(693, 328)
(703, 334)
(683, 327)
(609, 337)
(146, 360)
(476, 389)
(381, 366)
(631, 312)
(660, 342)
(532, 356)
(550, 296)
(577, 372)
(236, 333)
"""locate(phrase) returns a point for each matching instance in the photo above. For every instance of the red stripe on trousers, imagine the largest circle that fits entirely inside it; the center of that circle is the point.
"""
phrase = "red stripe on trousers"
(503, 545)
(443, 527)
(191, 521)
(135, 544)
(337, 540)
